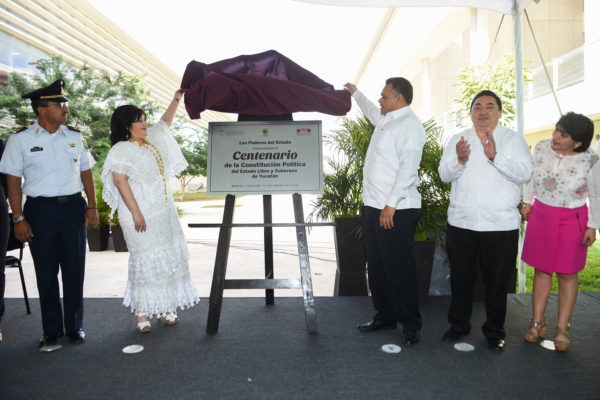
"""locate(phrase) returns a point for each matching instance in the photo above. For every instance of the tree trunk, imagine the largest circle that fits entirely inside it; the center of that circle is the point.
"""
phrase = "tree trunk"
(183, 187)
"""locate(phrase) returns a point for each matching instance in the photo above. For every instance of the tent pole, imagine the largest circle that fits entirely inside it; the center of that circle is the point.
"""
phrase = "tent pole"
(518, 27)
(518, 34)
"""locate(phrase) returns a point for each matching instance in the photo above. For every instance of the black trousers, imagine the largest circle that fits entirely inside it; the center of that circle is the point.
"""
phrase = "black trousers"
(495, 252)
(4, 232)
(59, 240)
(391, 266)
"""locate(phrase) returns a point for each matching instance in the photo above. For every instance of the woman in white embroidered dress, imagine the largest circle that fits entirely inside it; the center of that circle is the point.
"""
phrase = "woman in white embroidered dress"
(566, 173)
(136, 177)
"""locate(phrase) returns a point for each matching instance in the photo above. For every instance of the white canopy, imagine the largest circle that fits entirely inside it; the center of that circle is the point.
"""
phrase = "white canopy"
(504, 6)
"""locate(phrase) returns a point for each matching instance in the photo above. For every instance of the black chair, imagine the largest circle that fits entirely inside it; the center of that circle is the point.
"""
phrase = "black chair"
(14, 262)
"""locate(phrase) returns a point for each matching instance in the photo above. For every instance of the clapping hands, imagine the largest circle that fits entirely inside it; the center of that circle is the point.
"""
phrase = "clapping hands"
(463, 149)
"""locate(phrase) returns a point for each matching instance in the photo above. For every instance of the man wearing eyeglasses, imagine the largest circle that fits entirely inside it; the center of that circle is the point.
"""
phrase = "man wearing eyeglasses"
(56, 166)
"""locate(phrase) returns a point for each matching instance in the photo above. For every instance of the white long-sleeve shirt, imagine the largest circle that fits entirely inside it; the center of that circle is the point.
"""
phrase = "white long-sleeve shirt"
(565, 181)
(390, 173)
(485, 194)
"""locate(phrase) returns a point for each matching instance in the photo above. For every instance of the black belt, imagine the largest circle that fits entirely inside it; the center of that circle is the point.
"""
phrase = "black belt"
(56, 199)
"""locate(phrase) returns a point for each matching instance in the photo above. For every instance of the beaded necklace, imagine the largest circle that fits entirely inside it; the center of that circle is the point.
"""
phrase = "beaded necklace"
(159, 161)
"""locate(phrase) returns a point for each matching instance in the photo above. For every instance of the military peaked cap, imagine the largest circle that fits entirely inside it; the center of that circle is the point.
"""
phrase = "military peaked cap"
(54, 92)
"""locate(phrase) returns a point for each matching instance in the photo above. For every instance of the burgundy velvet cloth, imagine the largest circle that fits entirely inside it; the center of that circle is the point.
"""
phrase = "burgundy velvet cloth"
(261, 84)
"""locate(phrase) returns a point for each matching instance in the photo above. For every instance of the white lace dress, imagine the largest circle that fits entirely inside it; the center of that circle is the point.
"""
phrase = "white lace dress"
(159, 278)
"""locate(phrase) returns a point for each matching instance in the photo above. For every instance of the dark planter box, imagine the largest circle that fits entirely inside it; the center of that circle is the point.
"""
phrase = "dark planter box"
(97, 238)
(350, 276)
(118, 238)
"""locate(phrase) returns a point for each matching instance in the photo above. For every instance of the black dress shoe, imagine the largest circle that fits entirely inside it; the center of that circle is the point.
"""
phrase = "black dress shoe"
(50, 342)
(77, 336)
(452, 335)
(375, 325)
(411, 337)
(496, 345)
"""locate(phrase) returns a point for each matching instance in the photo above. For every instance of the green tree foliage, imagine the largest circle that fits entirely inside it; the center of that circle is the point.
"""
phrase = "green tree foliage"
(195, 153)
(499, 78)
(93, 95)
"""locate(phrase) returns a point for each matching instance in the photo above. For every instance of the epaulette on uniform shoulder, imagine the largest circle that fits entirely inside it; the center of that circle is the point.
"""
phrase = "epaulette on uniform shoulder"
(21, 129)
(73, 128)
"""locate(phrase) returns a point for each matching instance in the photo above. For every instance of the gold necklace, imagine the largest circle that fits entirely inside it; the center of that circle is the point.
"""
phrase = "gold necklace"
(159, 161)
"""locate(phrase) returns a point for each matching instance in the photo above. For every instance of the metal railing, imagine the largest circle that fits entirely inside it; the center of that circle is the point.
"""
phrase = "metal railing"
(565, 70)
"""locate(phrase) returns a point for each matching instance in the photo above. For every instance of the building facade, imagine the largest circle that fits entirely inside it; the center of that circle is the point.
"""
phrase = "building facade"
(567, 34)
(31, 30)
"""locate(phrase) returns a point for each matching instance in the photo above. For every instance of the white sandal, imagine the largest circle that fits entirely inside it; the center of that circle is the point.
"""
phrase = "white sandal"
(143, 326)
(170, 318)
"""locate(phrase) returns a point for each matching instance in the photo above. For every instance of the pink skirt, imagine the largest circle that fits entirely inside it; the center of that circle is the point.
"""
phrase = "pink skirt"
(553, 240)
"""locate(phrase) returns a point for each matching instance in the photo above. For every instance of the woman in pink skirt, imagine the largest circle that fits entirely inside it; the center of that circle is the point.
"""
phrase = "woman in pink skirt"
(559, 230)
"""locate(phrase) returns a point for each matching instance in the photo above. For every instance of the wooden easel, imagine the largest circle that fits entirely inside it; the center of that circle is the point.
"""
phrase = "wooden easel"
(219, 283)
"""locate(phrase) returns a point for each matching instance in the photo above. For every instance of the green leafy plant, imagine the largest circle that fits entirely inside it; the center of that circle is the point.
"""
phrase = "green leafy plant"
(103, 209)
(435, 194)
(499, 78)
(342, 191)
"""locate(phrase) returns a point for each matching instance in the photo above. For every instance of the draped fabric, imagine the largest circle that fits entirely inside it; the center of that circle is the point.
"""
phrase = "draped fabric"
(261, 84)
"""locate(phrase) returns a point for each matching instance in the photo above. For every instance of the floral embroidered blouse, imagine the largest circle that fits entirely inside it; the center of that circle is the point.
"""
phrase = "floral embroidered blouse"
(565, 181)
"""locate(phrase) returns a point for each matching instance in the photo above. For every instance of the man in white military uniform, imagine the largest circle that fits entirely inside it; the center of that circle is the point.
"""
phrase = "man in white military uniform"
(55, 162)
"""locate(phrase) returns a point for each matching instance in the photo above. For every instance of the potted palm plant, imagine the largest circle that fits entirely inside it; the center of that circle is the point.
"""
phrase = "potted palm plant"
(341, 201)
(97, 236)
(117, 234)
(435, 198)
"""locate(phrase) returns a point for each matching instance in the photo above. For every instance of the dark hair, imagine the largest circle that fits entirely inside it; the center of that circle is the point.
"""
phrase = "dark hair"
(38, 103)
(401, 86)
(579, 127)
(121, 121)
(487, 93)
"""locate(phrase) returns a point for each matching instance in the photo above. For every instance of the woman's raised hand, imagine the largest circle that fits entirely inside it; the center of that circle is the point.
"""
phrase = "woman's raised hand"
(178, 94)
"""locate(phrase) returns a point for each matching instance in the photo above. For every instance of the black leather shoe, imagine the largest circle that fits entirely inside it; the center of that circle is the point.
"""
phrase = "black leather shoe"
(50, 342)
(411, 337)
(496, 345)
(375, 325)
(452, 335)
(77, 336)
